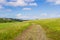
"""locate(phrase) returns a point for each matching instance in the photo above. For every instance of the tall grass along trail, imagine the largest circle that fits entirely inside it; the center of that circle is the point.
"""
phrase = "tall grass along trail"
(34, 32)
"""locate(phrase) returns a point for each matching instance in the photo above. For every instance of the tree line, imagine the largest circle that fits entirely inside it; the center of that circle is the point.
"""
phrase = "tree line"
(4, 20)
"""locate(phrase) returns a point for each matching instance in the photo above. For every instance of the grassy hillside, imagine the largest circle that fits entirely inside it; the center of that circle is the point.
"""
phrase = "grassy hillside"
(51, 26)
(10, 30)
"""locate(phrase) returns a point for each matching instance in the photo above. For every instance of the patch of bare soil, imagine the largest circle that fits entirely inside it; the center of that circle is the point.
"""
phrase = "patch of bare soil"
(34, 32)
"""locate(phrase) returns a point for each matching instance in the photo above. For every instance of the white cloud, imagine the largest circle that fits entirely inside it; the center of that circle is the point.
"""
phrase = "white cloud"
(27, 9)
(2, 1)
(33, 4)
(35, 17)
(44, 14)
(18, 2)
(1, 6)
(8, 10)
(29, 0)
(49, 15)
(41, 16)
(56, 2)
(20, 16)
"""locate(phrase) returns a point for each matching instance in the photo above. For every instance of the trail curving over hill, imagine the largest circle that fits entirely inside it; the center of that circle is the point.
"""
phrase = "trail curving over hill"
(34, 32)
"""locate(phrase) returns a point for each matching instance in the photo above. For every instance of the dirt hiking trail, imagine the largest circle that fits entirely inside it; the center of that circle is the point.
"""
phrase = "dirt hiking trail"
(34, 32)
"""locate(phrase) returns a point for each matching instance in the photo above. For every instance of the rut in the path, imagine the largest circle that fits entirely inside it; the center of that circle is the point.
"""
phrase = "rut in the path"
(34, 32)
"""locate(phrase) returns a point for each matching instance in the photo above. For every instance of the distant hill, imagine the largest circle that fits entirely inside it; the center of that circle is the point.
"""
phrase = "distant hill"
(4, 20)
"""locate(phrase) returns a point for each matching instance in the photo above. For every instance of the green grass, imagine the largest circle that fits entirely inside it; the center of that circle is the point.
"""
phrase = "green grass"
(51, 27)
(10, 30)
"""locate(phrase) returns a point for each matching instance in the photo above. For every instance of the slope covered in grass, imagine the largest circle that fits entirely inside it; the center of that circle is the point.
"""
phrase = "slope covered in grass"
(51, 26)
(10, 30)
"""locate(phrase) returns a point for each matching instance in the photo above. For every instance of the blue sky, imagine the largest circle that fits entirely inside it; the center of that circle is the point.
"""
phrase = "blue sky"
(30, 9)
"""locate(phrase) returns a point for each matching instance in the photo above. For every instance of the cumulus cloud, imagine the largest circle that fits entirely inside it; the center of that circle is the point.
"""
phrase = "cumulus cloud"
(56, 2)
(8, 10)
(41, 16)
(33, 4)
(1, 6)
(20, 16)
(49, 15)
(27, 9)
(44, 14)
(29, 0)
(18, 2)
(2, 1)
